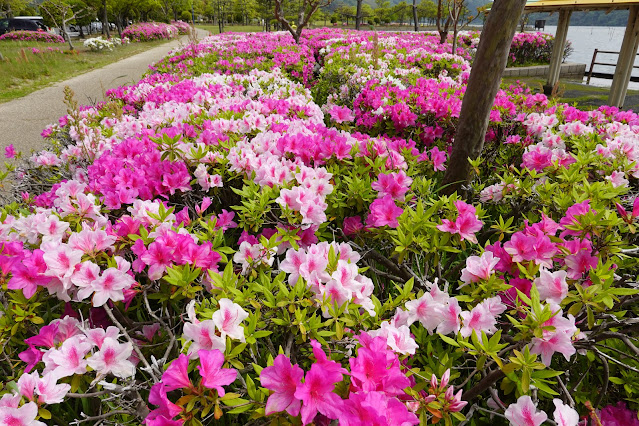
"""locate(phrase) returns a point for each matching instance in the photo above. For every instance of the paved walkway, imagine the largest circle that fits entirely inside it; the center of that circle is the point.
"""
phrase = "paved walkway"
(22, 120)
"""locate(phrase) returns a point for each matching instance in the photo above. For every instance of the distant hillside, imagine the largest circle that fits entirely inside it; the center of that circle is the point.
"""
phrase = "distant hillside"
(618, 18)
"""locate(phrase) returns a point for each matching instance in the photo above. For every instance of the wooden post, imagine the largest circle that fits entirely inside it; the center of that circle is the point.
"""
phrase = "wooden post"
(592, 65)
(626, 60)
(558, 51)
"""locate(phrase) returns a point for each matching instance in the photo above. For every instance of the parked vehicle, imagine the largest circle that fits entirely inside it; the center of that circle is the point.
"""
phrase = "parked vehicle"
(38, 20)
(13, 24)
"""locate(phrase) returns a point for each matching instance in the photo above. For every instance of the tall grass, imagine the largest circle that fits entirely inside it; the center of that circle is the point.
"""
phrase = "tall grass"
(28, 66)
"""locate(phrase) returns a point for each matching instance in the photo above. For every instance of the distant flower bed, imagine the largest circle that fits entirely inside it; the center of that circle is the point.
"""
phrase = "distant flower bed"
(149, 31)
(32, 36)
(98, 44)
(526, 49)
(183, 27)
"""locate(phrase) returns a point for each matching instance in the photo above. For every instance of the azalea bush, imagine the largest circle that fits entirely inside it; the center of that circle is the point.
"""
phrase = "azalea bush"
(149, 31)
(98, 44)
(527, 48)
(40, 36)
(182, 27)
(253, 233)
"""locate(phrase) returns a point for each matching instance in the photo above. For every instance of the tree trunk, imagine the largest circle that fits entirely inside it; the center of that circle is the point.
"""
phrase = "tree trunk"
(105, 19)
(358, 16)
(415, 20)
(483, 84)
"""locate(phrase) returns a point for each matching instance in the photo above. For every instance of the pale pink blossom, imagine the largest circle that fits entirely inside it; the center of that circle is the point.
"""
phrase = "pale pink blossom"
(69, 358)
(564, 415)
(524, 413)
(49, 391)
(22, 416)
(479, 268)
(113, 358)
(61, 261)
(552, 286)
(202, 335)
(228, 319)
(110, 286)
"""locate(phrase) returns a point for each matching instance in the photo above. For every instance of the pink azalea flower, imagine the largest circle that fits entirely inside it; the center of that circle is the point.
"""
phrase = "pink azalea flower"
(9, 151)
(524, 413)
(394, 184)
(580, 263)
(110, 286)
(564, 415)
(333, 370)
(282, 378)
(384, 211)
(549, 344)
(69, 358)
(27, 383)
(45, 337)
(479, 268)
(352, 225)
(426, 310)
(23, 416)
(31, 357)
(552, 286)
(177, 375)
(438, 158)
(478, 319)
(29, 274)
(97, 335)
(213, 375)
(113, 358)
(618, 415)
(166, 409)
(158, 257)
(49, 391)
(375, 408)
(316, 394)
(377, 370)
(202, 335)
(521, 247)
(341, 114)
(466, 224)
(61, 261)
(228, 319)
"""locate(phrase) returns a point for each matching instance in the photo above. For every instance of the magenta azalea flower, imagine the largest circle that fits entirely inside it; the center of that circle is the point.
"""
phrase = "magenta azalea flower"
(282, 378)
(213, 375)
(384, 211)
(177, 375)
(317, 395)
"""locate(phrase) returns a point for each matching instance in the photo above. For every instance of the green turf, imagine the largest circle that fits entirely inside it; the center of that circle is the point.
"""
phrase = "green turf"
(22, 71)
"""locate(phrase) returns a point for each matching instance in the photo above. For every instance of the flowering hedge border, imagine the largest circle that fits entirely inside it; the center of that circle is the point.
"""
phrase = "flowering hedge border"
(149, 31)
(40, 36)
(254, 231)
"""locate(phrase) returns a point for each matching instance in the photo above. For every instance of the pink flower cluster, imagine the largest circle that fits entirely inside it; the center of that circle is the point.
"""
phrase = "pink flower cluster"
(377, 382)
(39, 36)
(332, 284)
(149, 31)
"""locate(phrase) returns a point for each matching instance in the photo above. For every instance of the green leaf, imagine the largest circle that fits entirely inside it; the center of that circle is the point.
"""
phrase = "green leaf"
(448, 340)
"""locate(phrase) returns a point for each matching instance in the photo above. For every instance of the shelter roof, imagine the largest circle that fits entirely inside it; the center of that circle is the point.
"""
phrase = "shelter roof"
(555, 5)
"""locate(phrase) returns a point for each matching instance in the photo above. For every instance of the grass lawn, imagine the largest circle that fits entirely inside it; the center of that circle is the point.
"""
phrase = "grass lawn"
(586, 97)
(24, 71)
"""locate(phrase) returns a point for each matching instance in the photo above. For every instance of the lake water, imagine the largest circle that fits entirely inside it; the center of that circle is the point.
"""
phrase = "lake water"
(584, 42)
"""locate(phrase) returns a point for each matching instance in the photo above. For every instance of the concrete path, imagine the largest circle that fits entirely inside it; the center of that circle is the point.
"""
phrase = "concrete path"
(22, 120)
